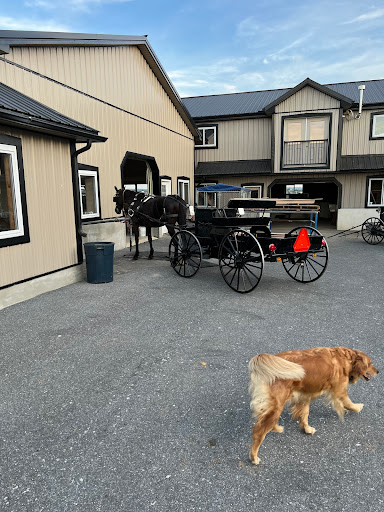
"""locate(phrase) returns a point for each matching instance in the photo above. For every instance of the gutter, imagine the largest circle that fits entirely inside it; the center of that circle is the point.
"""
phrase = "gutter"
(76, 197)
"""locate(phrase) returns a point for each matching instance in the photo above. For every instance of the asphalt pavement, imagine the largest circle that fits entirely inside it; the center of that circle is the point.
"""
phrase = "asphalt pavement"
(131, 396)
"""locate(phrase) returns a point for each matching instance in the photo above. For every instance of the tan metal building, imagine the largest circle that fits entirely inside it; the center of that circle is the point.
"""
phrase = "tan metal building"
(311, 141)
(116, 84)
(39, 206)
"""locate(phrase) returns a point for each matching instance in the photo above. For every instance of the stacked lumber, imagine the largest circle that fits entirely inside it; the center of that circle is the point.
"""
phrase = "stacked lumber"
(278, 204)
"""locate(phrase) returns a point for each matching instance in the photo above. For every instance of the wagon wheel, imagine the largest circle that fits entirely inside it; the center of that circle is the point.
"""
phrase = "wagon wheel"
(185, 253)
(241, 260)
(308, 266)
(373, 231)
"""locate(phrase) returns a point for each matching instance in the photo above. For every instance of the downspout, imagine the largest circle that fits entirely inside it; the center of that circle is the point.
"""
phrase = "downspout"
(76, 196)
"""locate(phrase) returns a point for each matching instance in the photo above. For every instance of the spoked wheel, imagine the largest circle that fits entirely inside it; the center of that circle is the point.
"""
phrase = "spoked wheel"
(185, 253)
(373, 231)
(241, 261)
(308, 266)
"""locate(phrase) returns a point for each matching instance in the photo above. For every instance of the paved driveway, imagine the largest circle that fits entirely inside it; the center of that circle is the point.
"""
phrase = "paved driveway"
(132, 395)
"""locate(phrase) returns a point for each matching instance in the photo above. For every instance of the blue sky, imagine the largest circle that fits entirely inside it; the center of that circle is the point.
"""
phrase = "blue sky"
(225, 46)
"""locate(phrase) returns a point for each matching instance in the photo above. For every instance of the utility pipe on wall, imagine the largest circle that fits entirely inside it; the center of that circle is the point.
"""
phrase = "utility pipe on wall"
(361, 89)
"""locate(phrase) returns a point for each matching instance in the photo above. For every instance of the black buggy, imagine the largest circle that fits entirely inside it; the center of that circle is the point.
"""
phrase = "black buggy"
(243, 244)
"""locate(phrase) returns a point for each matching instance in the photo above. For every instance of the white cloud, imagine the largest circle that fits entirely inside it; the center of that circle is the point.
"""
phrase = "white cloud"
(247, 27)
(7, 23)
(373, 15)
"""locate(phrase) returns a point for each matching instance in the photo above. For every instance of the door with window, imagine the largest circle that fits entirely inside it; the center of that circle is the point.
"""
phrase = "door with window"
(166, 190)
(183, 189)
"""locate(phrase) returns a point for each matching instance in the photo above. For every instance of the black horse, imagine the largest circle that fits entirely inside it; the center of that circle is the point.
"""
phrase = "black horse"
(150, 212)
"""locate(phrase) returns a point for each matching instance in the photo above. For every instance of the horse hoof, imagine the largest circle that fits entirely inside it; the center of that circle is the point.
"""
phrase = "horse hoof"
(150, 257)
(135, 258)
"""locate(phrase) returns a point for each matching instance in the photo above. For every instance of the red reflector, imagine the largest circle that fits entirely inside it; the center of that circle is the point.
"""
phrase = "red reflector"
(323, 242)
(272, 247)
(302, 243)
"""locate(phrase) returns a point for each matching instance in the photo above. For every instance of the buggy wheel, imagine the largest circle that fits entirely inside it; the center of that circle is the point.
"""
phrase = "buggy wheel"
(241, 260)
(308, 266)
(372, 231)
(185, 253)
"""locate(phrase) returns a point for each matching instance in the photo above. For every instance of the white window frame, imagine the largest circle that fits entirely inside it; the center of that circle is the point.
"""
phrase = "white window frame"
(379, 135)
(369, 203)
(166, 181)
(16, 193)
(183, 181)
(94, 174)
(202, 129)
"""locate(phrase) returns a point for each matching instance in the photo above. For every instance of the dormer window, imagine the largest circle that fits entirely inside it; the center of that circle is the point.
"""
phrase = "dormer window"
(208, 137)
(305, 141)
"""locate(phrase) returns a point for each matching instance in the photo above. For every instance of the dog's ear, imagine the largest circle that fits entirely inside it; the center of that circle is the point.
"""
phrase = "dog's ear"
(360, 362)
(358, 365)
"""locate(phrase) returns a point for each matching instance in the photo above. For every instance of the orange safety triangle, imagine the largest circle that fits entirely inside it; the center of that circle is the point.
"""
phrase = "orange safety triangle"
(302, 243)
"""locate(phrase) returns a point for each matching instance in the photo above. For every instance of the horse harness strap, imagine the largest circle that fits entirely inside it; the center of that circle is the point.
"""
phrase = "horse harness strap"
(139, 199)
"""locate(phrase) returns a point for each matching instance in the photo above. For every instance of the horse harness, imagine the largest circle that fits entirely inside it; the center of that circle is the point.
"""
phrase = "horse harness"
(134, 207)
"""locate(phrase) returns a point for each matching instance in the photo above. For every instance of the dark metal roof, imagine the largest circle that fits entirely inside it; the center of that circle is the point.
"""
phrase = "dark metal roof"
(231, 104)
(362, 162)
(236, 167)
(19, 108)
(254, 102)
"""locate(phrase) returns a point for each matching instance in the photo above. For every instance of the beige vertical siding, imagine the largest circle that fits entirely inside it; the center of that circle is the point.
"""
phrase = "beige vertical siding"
(307, 98)
(48, 184)
(245, 139)
(354, 190)
(356, 133)
(121, 77)
(117, 75)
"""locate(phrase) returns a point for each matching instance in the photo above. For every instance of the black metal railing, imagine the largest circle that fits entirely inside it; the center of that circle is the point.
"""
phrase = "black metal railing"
(305, 152)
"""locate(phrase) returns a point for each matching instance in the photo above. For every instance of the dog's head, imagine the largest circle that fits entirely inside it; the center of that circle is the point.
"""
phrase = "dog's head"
(362, 367)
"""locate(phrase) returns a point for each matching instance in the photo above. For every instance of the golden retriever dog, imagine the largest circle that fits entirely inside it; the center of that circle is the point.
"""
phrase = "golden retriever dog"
(297, 377)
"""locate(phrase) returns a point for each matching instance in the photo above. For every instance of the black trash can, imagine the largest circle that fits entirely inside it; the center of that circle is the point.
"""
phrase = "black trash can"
(99, 261)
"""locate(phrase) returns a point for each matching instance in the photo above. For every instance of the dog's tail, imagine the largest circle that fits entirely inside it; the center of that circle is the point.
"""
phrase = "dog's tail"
(264, 369)
(267, 368)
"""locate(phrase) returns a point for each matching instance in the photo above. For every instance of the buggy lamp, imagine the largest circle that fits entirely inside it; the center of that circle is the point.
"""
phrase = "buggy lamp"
(323, 242)
(272, 247)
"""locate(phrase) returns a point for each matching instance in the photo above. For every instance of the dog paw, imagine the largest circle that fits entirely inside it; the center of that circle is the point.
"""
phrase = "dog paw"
(309, 430)
(358, 407)
(255, 460)
(278, 428)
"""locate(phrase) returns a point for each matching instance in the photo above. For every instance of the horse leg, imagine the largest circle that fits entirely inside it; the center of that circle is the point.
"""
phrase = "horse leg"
(170, 227)
(135, 229)
(149, 235)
